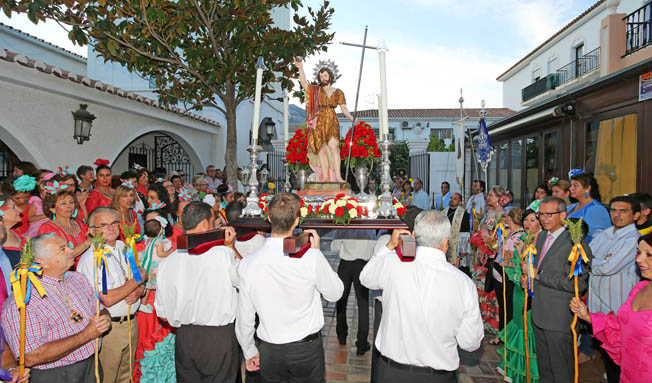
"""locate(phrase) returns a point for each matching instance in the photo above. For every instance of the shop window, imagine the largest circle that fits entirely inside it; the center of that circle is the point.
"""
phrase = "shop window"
(552, 156)
(491, 174)
(502, 164)
(531, 167)
(611, 149)
(517, 166)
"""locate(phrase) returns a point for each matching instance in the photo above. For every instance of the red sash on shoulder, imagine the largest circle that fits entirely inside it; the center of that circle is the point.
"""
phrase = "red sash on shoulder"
(204, 247)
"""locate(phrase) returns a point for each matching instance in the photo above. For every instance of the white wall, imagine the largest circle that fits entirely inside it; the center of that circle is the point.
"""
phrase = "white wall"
(442, 168)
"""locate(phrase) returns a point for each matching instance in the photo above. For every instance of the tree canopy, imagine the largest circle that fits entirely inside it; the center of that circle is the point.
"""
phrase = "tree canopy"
(201, 53)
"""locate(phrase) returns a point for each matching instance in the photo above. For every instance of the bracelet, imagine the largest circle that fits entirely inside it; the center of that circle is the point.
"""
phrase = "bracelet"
(12, 369)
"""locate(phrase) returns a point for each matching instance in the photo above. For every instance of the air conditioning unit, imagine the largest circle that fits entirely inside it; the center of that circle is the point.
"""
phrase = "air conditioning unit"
(418, 124)
(405, 125)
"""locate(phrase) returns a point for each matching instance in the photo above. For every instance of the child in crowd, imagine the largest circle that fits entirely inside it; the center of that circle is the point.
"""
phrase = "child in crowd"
(35, 214)
(157, 247)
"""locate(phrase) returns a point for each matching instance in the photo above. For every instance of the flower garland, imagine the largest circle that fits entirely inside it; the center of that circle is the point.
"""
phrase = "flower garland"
(342, 209)
(364, 151)
(296, 153)
(400, 208)
(306, 210)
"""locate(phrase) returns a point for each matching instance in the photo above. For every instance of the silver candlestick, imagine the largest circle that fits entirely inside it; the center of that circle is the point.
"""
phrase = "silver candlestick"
(386, 208)
(287, 187)
(252, 209)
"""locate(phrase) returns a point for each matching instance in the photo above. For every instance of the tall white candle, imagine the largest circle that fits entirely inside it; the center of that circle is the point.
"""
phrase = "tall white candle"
(381, 120)
(286, 118)
(382, 49)
(255, 122)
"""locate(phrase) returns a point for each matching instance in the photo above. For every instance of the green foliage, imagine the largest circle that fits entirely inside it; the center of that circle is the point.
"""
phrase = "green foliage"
(575, 230)
(438, 145)
(400, 156)
(98, 241)
(201, 53)
(26, 253)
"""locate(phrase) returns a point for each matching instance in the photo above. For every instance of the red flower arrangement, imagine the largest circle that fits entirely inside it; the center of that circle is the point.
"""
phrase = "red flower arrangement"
(296, 153)
(364, 151)
(101, 162)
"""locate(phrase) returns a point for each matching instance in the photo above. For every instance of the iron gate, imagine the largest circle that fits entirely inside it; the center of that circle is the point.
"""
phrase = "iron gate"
(7, 161)
(167, 153)
(275, 163)
(419, 167)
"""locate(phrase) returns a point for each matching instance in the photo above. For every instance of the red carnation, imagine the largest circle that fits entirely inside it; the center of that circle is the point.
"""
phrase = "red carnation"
(317, 210)
(101, 162)
(261, 205)
(349, 206)
(339, 211)
(359, 210)
(340, 196)
(400, 211)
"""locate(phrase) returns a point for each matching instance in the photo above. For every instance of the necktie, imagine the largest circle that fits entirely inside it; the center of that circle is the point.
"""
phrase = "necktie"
(546, 245)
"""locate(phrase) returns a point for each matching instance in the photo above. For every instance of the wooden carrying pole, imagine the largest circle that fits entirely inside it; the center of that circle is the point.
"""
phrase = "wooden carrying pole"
(23, 319)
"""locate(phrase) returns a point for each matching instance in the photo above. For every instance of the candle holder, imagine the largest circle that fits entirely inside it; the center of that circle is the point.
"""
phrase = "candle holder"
(386, 208)
(287, 186)
(252, 209)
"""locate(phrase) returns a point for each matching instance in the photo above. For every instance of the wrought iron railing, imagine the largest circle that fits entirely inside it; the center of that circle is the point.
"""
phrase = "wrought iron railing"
(538, 87)
(577, 68)
(638, 29)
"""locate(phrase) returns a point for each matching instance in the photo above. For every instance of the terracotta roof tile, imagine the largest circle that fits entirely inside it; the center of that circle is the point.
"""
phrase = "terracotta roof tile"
(13, 57)
(432, 113)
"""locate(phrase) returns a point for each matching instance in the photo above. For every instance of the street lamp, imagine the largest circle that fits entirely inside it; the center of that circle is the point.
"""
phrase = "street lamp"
(270, 126)
(83, 123)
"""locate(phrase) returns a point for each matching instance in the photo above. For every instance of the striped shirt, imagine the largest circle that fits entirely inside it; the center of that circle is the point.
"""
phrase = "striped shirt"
(613, 268)
(48, 318)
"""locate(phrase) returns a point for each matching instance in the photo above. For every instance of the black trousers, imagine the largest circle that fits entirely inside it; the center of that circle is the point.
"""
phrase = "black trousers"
(506, 304)
(555, 357)
(611, 368)
(389, 371)
(206, 354)
(375, 354)
(349, 273)
(299, 362)
(80, 372)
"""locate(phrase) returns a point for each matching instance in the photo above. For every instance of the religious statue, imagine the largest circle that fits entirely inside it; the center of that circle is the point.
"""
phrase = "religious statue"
(323, 128)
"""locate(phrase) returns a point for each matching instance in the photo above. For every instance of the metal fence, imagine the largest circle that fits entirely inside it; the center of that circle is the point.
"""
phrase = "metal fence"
(7, 161)
(275, 162)
(638, 29)
(583, 65)
(419, 167)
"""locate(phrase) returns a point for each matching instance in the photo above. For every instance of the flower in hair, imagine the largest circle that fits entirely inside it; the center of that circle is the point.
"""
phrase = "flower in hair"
(553, 182)
(157, 205)
(128, 183)
(137, 166)
(159, 180)
(25, 183)
(575, 172)
(101, 162)
(3, 208)
(504, 200)
(534, 206)
(64, 171)
(185, 195)
(54, 187)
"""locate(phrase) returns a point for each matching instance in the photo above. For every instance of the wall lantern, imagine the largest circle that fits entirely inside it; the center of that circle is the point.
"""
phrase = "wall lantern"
(83, 123)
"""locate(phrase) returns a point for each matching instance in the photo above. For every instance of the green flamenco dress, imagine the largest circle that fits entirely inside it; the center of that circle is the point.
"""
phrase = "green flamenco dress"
(515, 345)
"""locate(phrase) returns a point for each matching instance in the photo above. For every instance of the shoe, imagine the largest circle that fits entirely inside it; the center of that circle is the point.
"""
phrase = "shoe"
(147, 309)
(362, 349)
(342, 341)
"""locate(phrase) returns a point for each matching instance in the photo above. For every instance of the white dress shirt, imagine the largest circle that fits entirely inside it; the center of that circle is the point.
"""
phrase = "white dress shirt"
(354, 244)
(285, 292)
(429, 309)
(477, 202)
(249, 247)
(116, 276)
(198, 289)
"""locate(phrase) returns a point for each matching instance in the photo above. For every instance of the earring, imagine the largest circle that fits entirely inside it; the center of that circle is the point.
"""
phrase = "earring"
(74, 213)
(586, 195)
(54, 216)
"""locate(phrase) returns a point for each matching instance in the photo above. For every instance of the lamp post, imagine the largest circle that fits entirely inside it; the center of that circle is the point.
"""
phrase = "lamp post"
(83, 123)
(252, 209)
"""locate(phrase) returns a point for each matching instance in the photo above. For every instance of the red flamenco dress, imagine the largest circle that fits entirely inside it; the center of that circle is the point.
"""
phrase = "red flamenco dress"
(24, 221)
(72, 241)
(154, 360)
(96, 199)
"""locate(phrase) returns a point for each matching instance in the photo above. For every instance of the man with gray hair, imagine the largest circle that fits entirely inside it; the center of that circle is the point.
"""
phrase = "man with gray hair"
(429, 307)
(61, 326)
(122, 291)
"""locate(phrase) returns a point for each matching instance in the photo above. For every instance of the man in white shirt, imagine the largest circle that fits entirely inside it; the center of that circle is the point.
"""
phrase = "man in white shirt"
(285, 293)
(122, 291)
(476, 201)
(355, 247)
(430, 308)
(196, 293)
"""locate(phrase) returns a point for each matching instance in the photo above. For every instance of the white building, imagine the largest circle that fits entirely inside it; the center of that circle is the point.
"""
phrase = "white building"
(41, 84)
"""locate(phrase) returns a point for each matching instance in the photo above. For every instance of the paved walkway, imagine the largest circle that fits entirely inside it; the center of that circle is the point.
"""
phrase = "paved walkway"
(343, 365)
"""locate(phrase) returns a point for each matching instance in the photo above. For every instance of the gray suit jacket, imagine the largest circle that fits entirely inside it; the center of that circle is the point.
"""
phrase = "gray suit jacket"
(553, 290)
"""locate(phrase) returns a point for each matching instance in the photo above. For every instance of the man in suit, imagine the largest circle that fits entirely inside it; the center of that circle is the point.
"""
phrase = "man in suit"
(551, 317)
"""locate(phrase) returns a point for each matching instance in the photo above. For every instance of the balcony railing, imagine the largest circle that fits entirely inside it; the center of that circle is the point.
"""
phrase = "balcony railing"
(539, 87)
(639, 29)
(587, 63)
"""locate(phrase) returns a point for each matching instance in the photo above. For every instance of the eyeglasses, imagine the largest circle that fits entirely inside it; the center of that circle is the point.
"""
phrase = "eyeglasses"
(106, 225)
(547, 215)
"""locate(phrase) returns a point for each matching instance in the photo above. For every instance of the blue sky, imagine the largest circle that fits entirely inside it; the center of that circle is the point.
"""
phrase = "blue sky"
(435, 47)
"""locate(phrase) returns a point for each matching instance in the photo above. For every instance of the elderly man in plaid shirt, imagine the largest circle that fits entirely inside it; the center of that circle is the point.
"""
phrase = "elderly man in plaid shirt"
(61, 327)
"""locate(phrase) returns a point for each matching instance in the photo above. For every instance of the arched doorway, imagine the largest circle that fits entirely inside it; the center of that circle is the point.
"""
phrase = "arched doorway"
(7, 160)
(153, 150)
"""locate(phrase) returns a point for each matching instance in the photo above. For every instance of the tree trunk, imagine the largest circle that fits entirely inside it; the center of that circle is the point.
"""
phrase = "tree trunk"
(231, 155)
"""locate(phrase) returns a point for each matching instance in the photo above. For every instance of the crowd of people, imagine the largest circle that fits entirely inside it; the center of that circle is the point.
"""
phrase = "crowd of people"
(199, 314)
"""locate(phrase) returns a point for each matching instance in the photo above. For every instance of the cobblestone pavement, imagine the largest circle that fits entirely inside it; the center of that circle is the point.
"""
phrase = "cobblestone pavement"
(343, 365)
